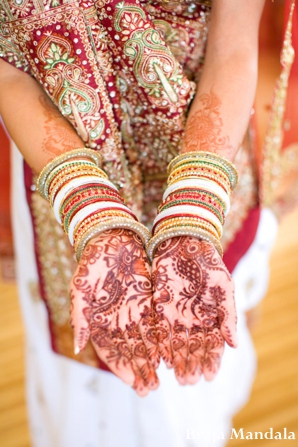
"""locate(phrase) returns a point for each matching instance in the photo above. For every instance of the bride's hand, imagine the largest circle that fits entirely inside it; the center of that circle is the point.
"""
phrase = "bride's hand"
(111, 302)
(194, 304)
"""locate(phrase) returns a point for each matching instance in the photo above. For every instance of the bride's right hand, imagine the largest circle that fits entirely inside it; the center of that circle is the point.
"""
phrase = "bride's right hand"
(111, 302)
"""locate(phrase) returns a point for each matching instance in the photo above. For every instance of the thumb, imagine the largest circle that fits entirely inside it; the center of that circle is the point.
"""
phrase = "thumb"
(79, 319)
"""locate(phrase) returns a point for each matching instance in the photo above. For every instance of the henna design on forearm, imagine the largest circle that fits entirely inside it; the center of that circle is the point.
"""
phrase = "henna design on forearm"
(191, 282)
(59, 134)
(113, 279)
(203, 131)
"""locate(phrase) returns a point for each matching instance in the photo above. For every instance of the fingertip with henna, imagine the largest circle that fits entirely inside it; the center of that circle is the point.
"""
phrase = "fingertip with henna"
(77, 349)
(232, 341)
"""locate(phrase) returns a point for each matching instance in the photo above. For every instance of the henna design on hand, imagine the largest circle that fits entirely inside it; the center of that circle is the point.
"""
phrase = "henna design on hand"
(111, 302)
(60, 135)
(203, 128)
(194, 307)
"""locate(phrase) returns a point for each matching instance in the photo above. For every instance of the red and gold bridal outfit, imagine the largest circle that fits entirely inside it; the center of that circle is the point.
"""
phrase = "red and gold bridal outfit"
(123, 73)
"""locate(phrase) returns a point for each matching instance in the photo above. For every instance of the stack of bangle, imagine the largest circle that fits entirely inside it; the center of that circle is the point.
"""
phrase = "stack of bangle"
(196, 200)
(85, 202)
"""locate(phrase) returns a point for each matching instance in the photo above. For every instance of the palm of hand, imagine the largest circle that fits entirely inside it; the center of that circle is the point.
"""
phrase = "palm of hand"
(194, 307)
(111, 302)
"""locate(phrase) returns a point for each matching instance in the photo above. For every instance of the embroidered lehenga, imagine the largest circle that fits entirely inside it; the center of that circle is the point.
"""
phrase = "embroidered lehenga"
(124, 74)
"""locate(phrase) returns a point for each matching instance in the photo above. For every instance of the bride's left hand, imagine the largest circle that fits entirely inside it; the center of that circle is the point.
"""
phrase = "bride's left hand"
(194, 307)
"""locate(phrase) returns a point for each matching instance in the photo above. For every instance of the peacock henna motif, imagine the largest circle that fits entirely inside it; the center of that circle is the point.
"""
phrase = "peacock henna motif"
(203, 131)
(194, 307)
(111, 300)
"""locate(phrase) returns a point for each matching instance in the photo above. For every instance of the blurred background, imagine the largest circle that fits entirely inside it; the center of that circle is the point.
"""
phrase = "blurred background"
(274, 323)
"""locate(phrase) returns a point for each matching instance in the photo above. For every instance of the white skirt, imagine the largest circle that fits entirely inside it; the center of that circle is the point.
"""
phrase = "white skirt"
(74, 405)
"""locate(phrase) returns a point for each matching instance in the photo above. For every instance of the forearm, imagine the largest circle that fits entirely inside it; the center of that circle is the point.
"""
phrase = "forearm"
(32, 120)
(221, 110)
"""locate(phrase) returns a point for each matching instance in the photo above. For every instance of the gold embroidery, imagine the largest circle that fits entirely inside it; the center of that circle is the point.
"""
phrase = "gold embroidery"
(272, 171)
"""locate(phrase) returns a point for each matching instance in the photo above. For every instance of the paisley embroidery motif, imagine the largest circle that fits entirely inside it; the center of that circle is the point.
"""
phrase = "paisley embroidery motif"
(155, 68)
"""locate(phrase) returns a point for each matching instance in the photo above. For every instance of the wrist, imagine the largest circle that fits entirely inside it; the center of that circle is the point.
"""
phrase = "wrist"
(84, 200)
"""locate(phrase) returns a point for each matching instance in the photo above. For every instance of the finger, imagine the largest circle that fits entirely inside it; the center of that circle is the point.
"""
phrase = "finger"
(140, 359)
(163, 334)
(114, 352)
(180, 351)
(227, 318)
(196, 353)
(138, 384)
(79, 320)
(149, 336)
(214, 347)
(117, 356)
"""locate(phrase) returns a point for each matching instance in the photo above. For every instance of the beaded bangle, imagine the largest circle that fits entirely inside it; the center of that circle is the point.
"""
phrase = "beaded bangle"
(96, 222)
(89, 191)
(186, 222)
(201, 171)
(82, 214)
(190, 210)
(93, 220)
(74, 184)
(197, 195)
(204, 184)
(192, 202)
(191, 219)
(215, 227)
(202, 166)
(114, 223)
(203, 175)
(86, 195)
(209, 156)
(75, 153)
(195, 175)
(62, 177)
(98, 215)
(66, 167)
(82, 205)
(183, 231)
(198, 162)
(199, 225)
(63, 181)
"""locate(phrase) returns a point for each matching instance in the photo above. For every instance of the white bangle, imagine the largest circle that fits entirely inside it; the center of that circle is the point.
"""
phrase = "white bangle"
(209, 185)
(189, 209)
(89, 209)
(72, 185)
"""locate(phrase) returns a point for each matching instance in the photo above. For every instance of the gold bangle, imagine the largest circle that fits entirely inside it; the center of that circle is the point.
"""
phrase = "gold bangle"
(194, 175)
(189, 223)
(82, 173)
(226, 164)
(111, 224)
(75, 153)
(201, 171)
(71, 167)
(100, 217)
(190, 226)
(183, 231)
(92, 170)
